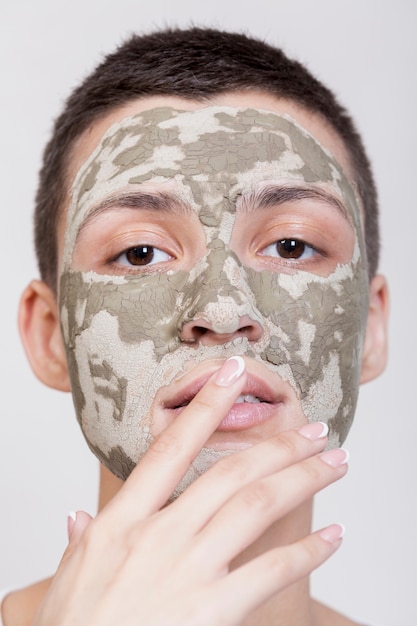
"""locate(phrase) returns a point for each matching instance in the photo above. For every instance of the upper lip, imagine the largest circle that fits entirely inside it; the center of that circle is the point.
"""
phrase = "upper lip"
(254, 386)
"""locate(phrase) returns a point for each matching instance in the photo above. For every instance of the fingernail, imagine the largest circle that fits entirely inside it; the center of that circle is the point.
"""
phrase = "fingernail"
(336, 457)
(230, 371)
(332, 533)
(315, 430)
(72, 516)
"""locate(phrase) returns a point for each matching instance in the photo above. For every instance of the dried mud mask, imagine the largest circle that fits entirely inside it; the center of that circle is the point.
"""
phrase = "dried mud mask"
(123, 333)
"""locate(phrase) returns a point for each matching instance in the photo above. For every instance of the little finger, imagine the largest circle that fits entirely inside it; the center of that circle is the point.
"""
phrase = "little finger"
(272, 572)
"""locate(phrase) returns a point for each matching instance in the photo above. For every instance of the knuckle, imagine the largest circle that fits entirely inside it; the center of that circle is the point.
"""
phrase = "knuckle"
(102, 532)
(309, 548)
(311, 472)
(142, 535)
(282, 566)
(235, 467)
(145, 537)
(286, 445)
(202, 402)
(289, 564)
(165, 445)
(257, 496)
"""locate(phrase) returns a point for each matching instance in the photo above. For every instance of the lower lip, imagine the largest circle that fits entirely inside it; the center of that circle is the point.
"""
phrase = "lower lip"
(247, 415)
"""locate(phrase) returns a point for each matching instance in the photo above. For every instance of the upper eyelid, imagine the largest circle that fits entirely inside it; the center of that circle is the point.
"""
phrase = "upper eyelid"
(158, 202)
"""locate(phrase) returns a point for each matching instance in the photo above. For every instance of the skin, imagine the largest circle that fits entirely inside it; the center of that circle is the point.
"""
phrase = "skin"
(285, 463)
(131, 330)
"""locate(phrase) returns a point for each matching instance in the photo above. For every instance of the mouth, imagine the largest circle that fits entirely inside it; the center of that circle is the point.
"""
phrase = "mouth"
(247, 398)
(257, 403)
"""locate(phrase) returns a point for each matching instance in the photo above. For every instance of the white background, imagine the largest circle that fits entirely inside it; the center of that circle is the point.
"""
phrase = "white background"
(366, 51)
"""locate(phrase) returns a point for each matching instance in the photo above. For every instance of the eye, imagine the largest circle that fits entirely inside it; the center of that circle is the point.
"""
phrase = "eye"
(289, 249)
(142, 255)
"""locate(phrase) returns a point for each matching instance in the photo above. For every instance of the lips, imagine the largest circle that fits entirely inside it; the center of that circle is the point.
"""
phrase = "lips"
(257, 403)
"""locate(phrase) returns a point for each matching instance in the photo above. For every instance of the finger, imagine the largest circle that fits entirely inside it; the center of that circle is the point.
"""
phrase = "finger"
(270, 573)
(246, 516)
(232, 473)
(171, 454)
(77, 523)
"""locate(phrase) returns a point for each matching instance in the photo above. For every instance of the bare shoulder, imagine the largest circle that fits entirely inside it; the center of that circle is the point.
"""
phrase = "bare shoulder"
(18, 607)
(325, 616)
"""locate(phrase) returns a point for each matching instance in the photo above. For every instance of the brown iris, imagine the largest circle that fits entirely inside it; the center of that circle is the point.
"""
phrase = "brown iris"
(140, 255)
(290, 248)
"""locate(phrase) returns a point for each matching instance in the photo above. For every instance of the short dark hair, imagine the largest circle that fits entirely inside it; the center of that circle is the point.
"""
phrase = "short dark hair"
(197, 64)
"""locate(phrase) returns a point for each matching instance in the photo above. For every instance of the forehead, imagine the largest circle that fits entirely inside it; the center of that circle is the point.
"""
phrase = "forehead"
(308, 120)
(231, 150)
(237, 142)
(236, 146)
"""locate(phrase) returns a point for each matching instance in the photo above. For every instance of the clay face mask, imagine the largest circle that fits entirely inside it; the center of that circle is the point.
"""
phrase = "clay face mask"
(123, 332)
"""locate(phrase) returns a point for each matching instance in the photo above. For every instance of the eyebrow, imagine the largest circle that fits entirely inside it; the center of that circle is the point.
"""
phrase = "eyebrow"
(269, 196)
(274, 195)
(156, 201)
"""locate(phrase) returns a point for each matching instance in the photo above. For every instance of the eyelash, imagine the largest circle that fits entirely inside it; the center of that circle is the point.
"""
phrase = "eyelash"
(141, 251)
(295, 244)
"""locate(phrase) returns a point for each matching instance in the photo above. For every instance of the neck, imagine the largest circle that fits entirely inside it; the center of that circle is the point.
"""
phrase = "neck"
(292, 606)
(109, 486)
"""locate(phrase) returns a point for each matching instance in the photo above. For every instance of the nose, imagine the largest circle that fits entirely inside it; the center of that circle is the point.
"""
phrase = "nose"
(221, 305)
(206, 332)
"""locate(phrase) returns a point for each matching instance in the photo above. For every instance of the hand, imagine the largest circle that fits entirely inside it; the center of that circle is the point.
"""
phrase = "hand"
(139, 562)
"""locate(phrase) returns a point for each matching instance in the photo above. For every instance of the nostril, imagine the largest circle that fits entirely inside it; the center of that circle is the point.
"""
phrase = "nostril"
(192, 333)
(201, 331)
(253, 331)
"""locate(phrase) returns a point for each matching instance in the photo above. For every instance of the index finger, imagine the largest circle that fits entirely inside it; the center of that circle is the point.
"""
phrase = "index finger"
(169, 457)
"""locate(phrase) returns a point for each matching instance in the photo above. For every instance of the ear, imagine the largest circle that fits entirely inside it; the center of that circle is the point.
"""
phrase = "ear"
(41, 335)
(374, 356)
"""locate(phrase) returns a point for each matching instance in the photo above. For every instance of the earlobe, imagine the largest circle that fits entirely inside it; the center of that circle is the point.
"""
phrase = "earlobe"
(376, 340)
(41, 335)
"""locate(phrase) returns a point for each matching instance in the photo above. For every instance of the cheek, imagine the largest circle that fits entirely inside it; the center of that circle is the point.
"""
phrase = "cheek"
(110, 381)
(316, 327)
(113, 360)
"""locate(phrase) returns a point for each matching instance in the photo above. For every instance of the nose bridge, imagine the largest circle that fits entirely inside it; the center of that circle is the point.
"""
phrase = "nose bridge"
(221, 295)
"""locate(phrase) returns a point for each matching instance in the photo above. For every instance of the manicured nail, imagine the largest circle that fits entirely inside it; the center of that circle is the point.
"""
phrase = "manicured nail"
(315, 430)
(336, 457)
(332, 533)
(230, 371)
(72, 516)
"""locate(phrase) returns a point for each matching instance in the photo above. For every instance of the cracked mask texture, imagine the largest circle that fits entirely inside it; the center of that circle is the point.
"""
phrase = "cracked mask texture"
(122, 333)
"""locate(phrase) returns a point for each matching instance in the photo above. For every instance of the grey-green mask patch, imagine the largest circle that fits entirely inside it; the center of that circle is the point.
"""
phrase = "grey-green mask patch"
(122, 334)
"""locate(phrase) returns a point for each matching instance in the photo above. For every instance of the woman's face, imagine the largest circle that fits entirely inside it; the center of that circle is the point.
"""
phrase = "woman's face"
(195, 235)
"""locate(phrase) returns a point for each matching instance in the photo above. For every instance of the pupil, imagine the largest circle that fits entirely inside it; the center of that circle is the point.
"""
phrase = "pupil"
(141, 255)
(290, 248)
